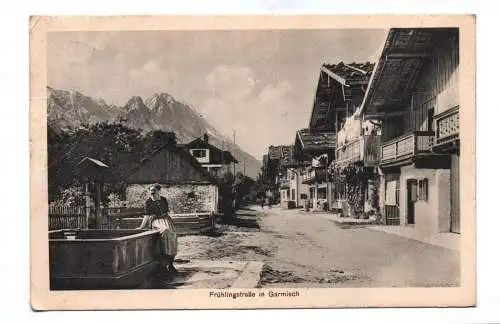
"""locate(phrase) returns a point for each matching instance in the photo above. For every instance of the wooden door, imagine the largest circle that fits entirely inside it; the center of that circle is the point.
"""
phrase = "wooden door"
(455, 193)
(411, 197)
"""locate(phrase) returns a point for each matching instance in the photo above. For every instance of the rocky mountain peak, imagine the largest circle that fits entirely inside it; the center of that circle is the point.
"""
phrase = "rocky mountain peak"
(134, 103)
(161, 111)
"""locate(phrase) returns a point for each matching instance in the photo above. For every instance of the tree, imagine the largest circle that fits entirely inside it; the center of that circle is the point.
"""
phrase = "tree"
(116, 145)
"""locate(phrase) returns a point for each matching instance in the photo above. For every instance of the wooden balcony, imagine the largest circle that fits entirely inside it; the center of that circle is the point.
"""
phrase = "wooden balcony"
(407, 147)
(364, 149)
(448, 128)
(315, 175)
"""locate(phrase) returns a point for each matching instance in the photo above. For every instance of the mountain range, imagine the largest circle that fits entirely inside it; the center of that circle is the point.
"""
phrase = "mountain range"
(159, 112)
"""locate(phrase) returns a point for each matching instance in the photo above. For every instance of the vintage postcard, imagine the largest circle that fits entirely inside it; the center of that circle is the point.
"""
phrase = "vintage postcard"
(197, 162)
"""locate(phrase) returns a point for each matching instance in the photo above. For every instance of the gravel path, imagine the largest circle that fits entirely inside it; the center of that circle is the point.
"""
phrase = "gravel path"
(303, 250)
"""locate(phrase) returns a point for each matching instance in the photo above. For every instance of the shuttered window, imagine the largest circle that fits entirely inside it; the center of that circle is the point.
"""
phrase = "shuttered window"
(423, 189)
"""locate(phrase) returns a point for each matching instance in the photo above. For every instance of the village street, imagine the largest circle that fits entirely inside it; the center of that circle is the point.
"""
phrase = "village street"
(301, 249)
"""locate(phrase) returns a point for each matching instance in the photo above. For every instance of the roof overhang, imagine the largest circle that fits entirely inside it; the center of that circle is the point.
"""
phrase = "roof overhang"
(396, 72)
(333, 91)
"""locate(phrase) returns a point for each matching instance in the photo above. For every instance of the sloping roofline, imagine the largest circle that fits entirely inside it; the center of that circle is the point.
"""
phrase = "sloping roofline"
(182, 153)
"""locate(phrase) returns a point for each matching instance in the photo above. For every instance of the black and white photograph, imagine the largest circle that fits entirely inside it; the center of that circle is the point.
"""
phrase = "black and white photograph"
(258, 161)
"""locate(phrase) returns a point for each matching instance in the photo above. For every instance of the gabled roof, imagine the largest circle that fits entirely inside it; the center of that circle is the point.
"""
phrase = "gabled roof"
(403, 55)
(316, 141)
(183, 154)
(87, 160)
(348, 74)
(92, 168)
(339, 86)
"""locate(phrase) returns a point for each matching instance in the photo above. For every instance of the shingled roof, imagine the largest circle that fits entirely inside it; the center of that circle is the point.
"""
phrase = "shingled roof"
(316, 141)
(405, 52)
(350, 73)
(340, 88)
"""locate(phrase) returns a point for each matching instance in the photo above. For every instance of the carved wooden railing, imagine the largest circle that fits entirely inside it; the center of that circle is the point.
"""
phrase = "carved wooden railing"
(364, 148)
(407, 146)
(448, 126)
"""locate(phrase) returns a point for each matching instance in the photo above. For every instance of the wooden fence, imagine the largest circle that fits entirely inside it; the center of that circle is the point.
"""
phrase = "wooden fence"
(125, 218)
(61, 217)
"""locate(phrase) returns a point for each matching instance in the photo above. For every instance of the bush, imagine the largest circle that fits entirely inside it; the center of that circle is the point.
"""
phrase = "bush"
(70, 197)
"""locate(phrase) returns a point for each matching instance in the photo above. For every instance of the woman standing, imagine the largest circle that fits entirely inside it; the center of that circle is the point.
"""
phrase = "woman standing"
(156, 217)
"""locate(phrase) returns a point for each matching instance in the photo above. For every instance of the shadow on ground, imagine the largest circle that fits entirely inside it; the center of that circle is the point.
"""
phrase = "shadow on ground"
(160, 280)
(242, 222)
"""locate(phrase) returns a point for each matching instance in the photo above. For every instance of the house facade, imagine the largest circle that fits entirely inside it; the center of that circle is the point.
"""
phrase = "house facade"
(413, 94)
(356, 164)
(313, 150)
(191, 192)
(292, 192)
(210, 157)
(339, 92)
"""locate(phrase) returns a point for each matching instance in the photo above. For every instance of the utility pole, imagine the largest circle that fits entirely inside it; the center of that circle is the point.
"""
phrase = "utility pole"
(234, 146)
(244, 167)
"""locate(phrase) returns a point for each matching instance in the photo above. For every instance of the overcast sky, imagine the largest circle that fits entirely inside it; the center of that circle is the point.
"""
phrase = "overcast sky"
(259, 83)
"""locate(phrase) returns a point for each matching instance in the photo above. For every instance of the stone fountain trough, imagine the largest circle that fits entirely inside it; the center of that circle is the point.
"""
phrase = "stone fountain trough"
(101, 259)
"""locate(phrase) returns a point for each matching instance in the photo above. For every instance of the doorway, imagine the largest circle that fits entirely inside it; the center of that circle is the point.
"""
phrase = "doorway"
(411, 189)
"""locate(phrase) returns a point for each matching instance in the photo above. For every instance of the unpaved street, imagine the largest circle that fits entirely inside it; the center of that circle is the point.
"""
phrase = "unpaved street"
(302, 249)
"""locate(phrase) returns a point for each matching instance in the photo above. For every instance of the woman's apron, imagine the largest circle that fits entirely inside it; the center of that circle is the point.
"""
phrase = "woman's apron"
(168, 235)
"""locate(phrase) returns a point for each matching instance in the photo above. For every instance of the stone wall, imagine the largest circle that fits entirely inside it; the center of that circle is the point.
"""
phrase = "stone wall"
(182, 199)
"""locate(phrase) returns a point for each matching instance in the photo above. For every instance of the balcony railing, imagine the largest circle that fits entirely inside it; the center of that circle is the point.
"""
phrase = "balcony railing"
(407, 146)
(318, 175)
(365, 148)
(448, 127)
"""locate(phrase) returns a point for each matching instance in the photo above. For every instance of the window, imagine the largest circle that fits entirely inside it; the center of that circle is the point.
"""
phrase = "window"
(423, 189)
(391, 193)
(321, 193)
(412, 190)
(199, 153)
(293, 194)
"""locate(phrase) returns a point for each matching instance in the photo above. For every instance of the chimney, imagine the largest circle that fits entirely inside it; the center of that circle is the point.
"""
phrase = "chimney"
(205, 138)
(171, 138)
(161, 139)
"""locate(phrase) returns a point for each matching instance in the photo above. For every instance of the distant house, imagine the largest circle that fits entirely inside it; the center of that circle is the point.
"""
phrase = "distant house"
(292, 192)
(339, 92)
(315, 150)
(188, 186)
(214, 160)
(272, 163)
